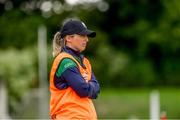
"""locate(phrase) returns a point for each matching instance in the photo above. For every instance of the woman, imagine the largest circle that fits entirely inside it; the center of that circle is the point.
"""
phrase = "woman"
(72, 81)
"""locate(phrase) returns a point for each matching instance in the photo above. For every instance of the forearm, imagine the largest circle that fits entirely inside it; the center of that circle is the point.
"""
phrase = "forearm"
(74, 80)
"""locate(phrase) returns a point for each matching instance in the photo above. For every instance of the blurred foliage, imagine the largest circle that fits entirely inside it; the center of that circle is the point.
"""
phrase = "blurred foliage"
(137, 42)
(18, 68)
(18, 28)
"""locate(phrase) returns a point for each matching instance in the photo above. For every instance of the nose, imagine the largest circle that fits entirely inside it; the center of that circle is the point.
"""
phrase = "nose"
(86, 38)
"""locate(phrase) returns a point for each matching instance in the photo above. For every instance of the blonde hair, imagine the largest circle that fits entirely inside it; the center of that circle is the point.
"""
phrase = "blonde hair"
(58, 44)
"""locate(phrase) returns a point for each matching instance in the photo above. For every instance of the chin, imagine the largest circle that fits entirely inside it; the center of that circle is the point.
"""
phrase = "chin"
(82, 50)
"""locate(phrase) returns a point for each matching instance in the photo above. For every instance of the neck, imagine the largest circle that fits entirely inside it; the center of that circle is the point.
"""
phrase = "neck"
(72, 51)
(72, 48)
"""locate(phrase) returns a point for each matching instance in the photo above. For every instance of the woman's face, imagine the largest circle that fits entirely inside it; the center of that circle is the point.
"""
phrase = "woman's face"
(77, 42)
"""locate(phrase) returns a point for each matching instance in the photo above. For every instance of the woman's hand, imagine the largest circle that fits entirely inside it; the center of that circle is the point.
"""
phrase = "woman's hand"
(85, 76)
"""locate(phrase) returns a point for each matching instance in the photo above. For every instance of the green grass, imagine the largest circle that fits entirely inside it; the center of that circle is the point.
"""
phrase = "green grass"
(120, 104)
(170, 102)
(134, 103)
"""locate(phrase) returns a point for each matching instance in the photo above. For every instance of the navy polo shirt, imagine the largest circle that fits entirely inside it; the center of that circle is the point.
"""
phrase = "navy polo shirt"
(68, 75)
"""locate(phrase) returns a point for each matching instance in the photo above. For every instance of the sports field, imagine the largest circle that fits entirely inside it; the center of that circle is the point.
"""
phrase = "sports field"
(134, 103)
(120, 104)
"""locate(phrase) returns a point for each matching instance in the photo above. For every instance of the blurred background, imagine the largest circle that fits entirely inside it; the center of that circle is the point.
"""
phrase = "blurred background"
(135, 55)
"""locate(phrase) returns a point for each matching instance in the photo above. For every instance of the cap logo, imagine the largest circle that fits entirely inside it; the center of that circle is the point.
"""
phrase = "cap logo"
(84, 25)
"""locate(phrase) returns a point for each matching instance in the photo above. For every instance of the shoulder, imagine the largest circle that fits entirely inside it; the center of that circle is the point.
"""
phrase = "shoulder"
(64, 65)
(67, 62)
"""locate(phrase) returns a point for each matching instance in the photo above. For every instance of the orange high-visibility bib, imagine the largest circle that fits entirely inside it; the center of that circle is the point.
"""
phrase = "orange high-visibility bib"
(66, 104)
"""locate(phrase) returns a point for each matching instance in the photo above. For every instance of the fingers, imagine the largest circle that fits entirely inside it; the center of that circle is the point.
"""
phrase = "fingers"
(85, 76)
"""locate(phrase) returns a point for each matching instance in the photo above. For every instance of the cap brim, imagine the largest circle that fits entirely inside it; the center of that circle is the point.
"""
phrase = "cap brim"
(89, 33)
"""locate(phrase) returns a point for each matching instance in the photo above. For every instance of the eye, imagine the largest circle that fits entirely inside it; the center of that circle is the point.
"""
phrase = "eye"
(83, 36)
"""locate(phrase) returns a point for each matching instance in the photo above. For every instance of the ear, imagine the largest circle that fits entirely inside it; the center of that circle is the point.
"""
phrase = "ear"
(68, 38)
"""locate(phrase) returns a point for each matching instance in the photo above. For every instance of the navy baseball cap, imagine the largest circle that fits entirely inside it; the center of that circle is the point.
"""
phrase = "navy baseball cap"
(76, 27)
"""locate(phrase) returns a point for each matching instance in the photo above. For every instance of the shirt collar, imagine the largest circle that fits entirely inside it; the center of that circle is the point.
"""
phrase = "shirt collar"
(76, 54)
(72, 52)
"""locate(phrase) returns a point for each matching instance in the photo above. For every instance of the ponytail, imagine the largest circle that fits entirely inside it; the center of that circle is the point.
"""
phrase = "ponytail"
(58, 44)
